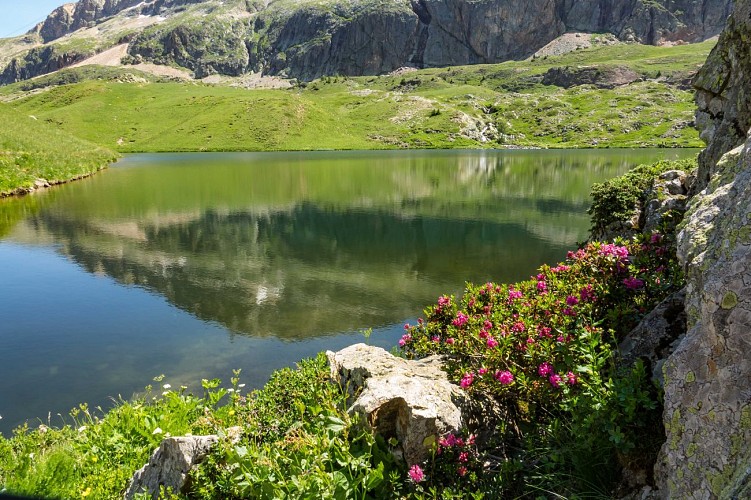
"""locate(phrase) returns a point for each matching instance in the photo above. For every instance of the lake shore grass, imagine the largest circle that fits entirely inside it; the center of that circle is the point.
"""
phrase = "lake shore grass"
(34, 154)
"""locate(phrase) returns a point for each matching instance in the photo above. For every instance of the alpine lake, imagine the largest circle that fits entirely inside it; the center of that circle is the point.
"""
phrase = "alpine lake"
(192, 265)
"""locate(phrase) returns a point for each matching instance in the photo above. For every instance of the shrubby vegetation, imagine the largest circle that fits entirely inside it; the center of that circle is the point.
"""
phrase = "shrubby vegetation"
(544, 349)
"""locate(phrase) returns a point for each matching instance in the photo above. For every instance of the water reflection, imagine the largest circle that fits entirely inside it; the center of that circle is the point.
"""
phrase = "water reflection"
(164, 255)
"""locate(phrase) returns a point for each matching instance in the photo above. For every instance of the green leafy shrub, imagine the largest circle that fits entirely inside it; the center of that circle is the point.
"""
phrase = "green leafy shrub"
(622, 197)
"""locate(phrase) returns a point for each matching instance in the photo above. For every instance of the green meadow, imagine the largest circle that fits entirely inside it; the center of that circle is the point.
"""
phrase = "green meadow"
(499, 105)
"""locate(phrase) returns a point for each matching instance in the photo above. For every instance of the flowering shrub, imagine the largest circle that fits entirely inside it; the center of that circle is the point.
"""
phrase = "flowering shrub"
(544, 347)
(531, 340)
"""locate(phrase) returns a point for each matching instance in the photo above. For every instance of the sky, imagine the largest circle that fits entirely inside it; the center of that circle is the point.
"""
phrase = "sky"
(19, 16)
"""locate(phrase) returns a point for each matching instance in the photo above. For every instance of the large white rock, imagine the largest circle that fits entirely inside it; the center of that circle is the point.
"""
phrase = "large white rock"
(412, 401)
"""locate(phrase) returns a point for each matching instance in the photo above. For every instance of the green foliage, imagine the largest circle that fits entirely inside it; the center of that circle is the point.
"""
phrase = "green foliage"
(622, 197)
(299, 442)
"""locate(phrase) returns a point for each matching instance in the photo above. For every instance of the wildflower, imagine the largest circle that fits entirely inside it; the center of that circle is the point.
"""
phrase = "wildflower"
(633, 283)
(483, 334)
(544, 332)
(488, 324)
(545, 369)
(586, 294)
(621, 253)
(571, 300)
(571, 378)
(166, 386)
(461, 319)
(656, 238)
(464, 457)
(435, 338)
(540, 277)
(158, 430)
(518, 327)
(443, 300)
(82, 428)
(467, 380)
(492, 343)
(462, 471)
(504, 377)
(567, 311)
(416, 474)
(514, 294)
(406, 338)
(86, 492)
(406, 326)
(555, 380)
(542, 287)
(450, 341)
(241, 386)
(482, 371)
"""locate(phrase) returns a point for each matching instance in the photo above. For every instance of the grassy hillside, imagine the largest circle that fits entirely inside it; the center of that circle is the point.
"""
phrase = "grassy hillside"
(498, 105)
(31, 149)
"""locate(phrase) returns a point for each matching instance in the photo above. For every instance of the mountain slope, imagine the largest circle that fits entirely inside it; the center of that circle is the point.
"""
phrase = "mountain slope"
(306, 39)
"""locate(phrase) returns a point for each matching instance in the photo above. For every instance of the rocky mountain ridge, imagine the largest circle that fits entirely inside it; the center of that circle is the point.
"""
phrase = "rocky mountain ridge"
(305, 39)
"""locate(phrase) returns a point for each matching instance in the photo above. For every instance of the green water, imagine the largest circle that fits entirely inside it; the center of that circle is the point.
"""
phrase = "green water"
(194, 264)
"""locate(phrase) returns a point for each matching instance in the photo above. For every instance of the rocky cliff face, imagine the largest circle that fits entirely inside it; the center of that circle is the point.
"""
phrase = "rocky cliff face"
(707, 391)
(306, 39)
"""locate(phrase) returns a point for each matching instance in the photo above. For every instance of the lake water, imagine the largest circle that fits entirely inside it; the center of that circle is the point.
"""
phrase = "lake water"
(191, 265)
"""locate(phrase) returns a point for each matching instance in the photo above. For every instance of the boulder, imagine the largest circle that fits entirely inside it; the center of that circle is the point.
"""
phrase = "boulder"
(410, 401)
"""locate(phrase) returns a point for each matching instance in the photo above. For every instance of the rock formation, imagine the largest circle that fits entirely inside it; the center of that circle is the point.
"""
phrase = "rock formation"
(411, 401)
(168, 467)
(707, 391)
(313, 39)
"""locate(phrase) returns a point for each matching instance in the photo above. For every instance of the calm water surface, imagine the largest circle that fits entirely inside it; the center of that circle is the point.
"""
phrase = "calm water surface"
(190, 265)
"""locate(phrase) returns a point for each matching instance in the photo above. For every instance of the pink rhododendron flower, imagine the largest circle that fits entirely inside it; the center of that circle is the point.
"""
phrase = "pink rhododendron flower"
(482, 371)
(504, 377)
(514, 294)
(555, 380)
(406, 338)
(483, 334)
(656, 238)
(518, 327)
(616, 251)
(467, 380)
(450, 341)
(633, 283)
(492, 343)
(416, 474)
(406, 326)
(464, 457)
(567, 311)
(462, 471)
(542, 286)
(544, 331)
(436, 338)
(461, 319)
(443, 300)
(571, 378)
(571, 300)
(488, 324)
(545, 369)
(587, 294)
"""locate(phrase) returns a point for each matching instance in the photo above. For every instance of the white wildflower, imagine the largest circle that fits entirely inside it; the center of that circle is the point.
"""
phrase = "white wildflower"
(158, 430)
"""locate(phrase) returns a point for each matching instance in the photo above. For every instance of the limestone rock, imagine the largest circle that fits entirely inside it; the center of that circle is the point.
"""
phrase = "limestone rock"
(668, 194)
(707, 379)
(412, 401)
(169, 465)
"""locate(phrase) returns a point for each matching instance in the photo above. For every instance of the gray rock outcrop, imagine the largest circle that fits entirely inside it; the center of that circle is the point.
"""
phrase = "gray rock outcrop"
(168, 467)
(723, 93)
(411, 401)
(707, 412)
